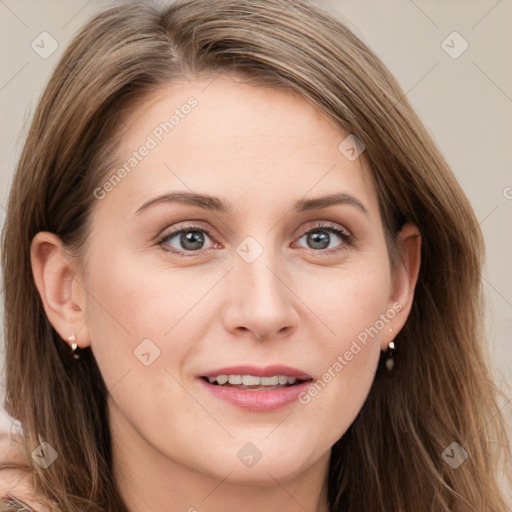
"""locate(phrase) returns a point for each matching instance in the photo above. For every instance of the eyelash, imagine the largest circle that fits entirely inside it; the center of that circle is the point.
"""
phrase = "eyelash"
(343, 234)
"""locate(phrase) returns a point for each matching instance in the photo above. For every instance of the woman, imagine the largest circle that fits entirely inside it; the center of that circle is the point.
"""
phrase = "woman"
(240, 275)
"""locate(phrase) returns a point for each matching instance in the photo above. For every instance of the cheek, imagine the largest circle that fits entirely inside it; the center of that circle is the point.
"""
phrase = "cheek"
(131, 301)
(136, 309)
(175, 308)
(347, 355)
(351, 302)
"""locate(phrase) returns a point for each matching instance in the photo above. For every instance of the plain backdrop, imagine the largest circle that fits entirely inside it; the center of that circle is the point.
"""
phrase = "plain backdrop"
(452, 58)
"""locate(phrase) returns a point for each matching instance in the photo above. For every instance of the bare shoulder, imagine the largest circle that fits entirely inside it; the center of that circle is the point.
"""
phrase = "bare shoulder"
(16, 484)
(17, 492)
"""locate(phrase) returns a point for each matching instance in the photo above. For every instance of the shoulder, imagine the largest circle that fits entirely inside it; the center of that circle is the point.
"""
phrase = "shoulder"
(16, 484)
(17, 493)
(9, 503)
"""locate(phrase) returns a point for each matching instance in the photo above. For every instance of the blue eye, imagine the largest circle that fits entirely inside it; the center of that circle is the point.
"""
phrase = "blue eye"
(320, 238)
(191, 240)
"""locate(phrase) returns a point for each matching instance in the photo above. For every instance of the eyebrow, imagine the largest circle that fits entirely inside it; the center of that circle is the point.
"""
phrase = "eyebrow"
(208, 202)
(204, 201)
(317, 203)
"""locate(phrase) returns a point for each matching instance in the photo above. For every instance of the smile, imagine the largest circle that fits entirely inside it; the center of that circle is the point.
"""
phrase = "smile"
(253, 382)
(256, 389)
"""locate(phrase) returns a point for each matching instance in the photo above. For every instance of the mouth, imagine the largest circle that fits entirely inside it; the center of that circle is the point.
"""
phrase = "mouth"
(254, 382)
(256, 389)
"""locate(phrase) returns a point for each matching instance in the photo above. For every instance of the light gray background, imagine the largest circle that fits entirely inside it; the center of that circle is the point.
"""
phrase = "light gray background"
(465, 102)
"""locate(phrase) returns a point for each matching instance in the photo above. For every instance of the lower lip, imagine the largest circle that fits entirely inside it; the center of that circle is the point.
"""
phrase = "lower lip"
(258, 401)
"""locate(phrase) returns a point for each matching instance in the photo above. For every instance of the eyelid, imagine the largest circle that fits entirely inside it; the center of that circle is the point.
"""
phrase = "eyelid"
(333, 228)
(338, 229)
(187, 226)
(324, 224)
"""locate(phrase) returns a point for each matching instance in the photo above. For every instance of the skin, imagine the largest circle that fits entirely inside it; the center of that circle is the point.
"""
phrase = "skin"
(175, 446)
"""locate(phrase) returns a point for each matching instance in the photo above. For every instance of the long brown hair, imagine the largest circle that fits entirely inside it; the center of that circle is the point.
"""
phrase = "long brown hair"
(440, 390)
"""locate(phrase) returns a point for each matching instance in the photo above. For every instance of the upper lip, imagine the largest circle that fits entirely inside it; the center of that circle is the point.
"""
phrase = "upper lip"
(258, 371)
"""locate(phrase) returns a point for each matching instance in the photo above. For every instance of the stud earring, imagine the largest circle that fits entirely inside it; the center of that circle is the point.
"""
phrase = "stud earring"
(74, 346)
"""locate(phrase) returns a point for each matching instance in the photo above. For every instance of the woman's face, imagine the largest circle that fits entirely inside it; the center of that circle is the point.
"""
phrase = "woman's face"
(243, 272)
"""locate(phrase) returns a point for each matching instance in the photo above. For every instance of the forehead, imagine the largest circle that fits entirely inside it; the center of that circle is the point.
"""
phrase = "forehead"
(224, 136)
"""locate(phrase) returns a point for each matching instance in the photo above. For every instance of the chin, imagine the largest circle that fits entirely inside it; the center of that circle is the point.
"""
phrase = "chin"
(265, 474)
(266, 470)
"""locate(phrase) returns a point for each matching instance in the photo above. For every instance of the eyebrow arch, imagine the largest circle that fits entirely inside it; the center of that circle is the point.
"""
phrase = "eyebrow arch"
(323, 202)
(204, 201)
(212, 203)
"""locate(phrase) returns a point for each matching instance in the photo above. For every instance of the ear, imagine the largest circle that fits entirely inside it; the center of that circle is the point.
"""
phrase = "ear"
(63, 297)
(404, 279)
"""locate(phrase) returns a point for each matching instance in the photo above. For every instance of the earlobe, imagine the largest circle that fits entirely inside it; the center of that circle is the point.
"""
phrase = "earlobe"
(405, 277)
(54, 275)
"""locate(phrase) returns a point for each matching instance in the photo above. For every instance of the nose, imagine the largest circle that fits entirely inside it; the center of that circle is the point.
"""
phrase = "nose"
(260, 300)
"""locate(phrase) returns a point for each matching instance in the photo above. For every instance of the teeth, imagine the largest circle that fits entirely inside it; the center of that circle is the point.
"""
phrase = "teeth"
(269, 381)
(222, 379)
(252, 380)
